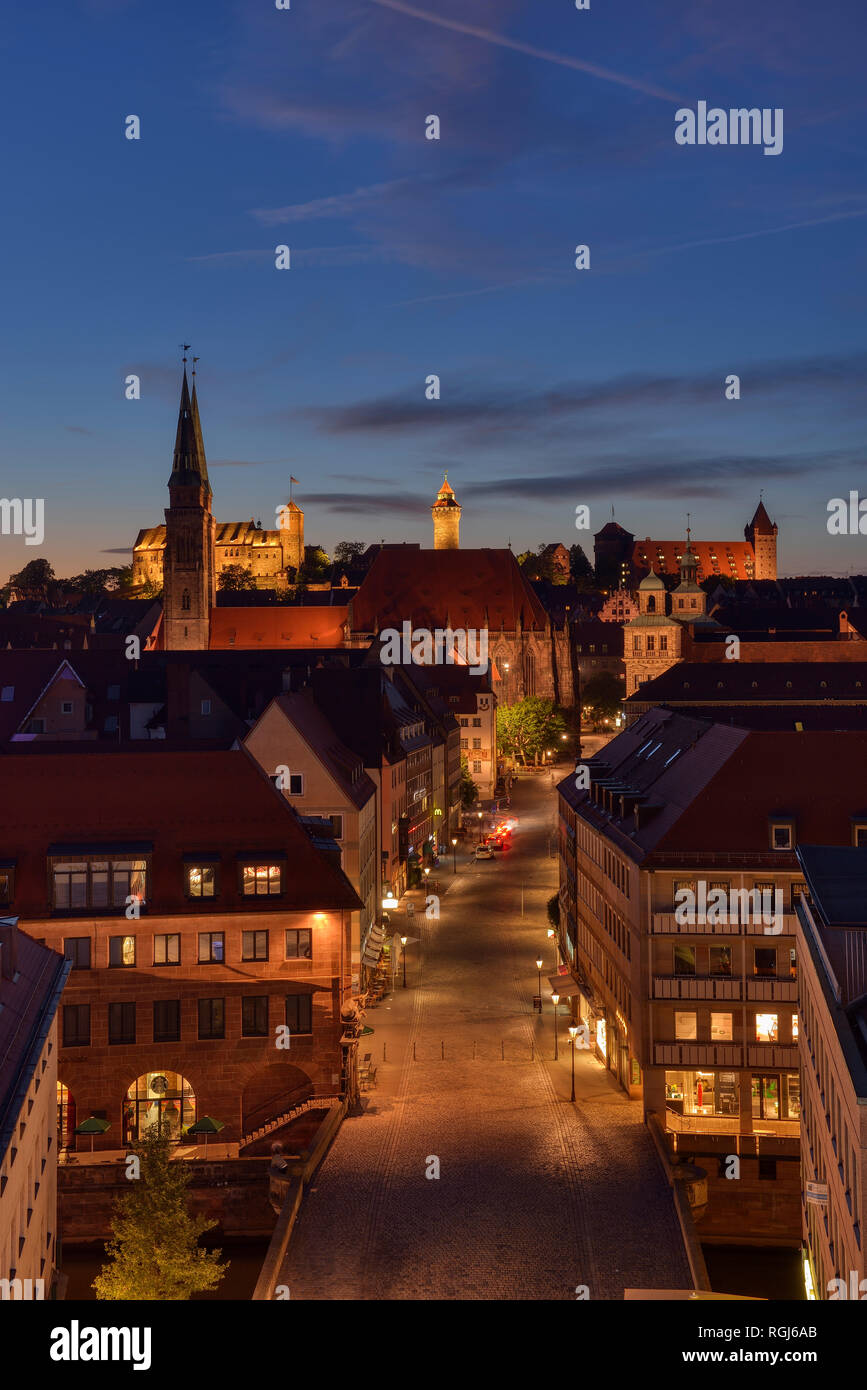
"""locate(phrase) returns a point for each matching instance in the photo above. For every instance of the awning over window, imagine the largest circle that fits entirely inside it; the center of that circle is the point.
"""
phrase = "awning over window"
(564, 985)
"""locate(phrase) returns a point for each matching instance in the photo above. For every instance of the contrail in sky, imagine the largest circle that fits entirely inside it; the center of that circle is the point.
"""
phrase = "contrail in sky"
(488, 36)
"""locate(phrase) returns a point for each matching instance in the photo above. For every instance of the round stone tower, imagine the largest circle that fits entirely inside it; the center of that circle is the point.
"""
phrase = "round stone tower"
(446, 513)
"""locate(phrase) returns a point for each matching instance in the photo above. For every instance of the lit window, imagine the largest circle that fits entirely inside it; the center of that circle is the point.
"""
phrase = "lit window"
(720, 1027)
(201, 880)
(262, 880)
(767, 1028)
(782, 835)
(121, 950)
(794, 1027)
(685, 1029)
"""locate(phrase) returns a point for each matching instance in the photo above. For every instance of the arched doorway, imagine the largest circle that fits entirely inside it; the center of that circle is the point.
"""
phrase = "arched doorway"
(65, 1117)
(161, 1099)
(272, 1091)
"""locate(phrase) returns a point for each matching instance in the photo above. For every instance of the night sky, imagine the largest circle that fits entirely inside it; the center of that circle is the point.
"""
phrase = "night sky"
(306, 127)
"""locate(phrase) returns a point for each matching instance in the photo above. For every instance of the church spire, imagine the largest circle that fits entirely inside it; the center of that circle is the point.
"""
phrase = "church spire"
(189, 466)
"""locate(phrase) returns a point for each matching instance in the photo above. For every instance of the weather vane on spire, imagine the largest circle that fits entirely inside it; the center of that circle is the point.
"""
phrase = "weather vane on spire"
(186, 348)
(195, 360)
(687, 528)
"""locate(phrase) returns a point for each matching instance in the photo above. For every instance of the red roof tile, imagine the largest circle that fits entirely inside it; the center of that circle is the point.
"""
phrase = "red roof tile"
(280, 626)
(472, 588)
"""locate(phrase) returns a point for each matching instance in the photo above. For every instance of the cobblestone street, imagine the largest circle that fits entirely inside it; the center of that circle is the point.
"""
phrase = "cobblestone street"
(535, 1196)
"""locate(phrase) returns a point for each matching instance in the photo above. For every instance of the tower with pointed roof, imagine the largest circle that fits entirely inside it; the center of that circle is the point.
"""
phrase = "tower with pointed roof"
(189, 569)
(762, 536)
(446, 513)
(689, 600)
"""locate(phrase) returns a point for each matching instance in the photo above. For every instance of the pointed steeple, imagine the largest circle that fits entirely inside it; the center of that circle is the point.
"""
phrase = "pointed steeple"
(189, 467)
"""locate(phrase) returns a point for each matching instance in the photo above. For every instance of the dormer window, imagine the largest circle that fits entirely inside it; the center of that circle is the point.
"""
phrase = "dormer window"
(859, 834)
(782, 834)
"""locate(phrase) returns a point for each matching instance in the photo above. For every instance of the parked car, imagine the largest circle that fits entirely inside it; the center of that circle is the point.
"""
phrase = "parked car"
(483, 852)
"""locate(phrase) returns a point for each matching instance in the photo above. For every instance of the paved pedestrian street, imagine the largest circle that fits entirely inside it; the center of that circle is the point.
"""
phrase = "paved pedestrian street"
(535, 1197)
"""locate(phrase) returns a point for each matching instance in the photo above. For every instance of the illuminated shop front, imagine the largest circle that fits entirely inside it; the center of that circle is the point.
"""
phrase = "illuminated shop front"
(776, 1097)
(159, 1099)
(702, 1092)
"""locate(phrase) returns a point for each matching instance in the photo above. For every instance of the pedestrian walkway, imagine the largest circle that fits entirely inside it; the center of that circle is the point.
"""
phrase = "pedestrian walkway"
(535, 1197)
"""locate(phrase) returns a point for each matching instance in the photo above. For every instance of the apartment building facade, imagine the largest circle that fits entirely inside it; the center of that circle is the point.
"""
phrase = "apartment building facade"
(832, 949)
(696, 1011)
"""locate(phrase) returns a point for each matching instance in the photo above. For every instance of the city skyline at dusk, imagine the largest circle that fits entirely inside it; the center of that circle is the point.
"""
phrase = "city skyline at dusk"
(455, 257)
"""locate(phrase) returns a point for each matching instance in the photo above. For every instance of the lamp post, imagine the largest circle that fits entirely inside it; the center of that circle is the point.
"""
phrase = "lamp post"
(539, 968)
(555, 999)
(403, 941)
(573, 1033)
(479, 814)
(454, 854)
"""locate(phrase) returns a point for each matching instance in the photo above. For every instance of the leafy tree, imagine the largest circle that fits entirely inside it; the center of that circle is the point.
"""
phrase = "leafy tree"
(316, 566)
(527, 729)
(347, 552)
(553, 906)
(469, 790)
(94, 582)
(602, 694)
(34, 580)
(235, 577)
(154, 1252)
(580, 568)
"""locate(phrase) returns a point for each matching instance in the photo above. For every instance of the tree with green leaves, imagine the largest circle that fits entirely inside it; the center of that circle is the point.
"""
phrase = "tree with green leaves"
(529, 728)
(154, 1254)
(316, 566)
(553, 906)
(235, 577)
(347, 552)
(602, 696)
(34, 580)
(469, 790)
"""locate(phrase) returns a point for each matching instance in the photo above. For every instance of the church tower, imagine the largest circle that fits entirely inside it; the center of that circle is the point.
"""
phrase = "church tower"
(446, 513)
(762, 536)
(189, 575)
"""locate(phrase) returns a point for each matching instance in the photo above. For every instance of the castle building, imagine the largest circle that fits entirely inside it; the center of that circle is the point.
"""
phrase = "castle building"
(271, 557)
(621, 560)
(446, 513)
(657, 638)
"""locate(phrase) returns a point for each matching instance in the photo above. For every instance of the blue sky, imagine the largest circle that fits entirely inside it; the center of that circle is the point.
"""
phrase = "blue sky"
(306, 127)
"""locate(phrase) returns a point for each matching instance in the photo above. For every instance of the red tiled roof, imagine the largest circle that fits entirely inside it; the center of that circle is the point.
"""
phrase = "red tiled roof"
(217, 802)
(817, 777)
(472, 588)
(280, 626)
(732, 558)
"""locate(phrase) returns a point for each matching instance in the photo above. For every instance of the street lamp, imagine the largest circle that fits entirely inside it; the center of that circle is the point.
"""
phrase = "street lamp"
(403, 941)
(555, 999)
(539, 968)
(454, 854)
(573, 1033)
(479, 814)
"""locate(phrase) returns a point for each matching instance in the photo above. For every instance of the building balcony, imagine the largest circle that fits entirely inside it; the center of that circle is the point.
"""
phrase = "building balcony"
(772, 1055)
(666, 924)
(695, 987)
(697, 1054)
(730, 1124)
(779, 990)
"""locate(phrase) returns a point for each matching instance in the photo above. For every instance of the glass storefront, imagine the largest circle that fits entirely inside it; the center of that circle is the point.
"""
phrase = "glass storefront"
(776, 1097)
(702, 1092)
(158, 1098)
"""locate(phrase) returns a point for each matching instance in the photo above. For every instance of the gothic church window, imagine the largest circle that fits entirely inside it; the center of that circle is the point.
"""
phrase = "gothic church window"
(185, 600)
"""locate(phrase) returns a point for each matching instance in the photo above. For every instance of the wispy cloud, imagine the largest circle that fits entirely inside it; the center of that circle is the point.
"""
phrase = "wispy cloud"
(77, 429)
(517, 46)
(337, 205)
(366, 503)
